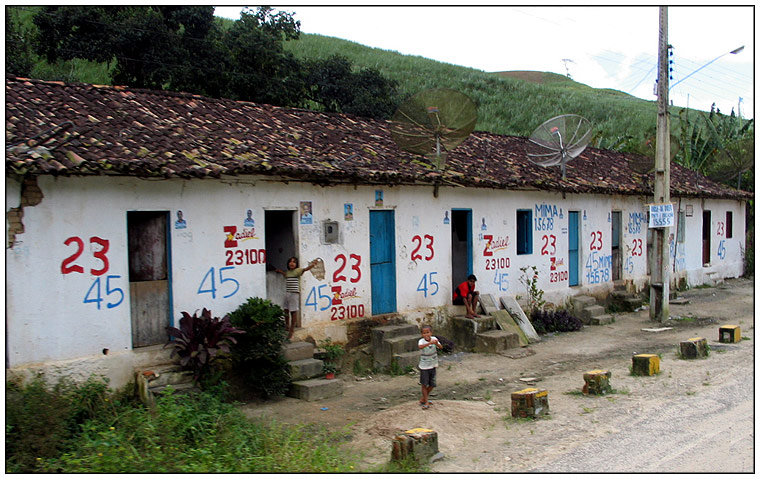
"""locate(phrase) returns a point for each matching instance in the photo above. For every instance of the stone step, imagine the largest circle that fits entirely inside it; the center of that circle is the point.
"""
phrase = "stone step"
(392, 339)
(496, 340)
(297, 350)
(315, 389)
(410, 359)
(601, 319)
(464, 330)
(164, 374)
(590, 312)
(305, 368)
(581, 302)
(382, 333)
(403, 344)
(181, 388)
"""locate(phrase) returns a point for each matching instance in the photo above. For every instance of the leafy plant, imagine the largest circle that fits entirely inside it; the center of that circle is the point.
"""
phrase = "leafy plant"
(332, 353)
(535, 294)
(257, 356)
(550, 321)
(200, 341)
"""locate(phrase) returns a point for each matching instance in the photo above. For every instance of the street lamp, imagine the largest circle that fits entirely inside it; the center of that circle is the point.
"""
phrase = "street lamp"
(732, 52)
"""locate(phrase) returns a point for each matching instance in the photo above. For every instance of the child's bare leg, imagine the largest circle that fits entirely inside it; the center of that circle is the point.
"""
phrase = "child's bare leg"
(292, 325)
(425, 392)
(429, 390)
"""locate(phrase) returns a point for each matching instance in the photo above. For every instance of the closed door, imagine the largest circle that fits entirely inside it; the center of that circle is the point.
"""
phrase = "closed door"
(382, 250)
(572, 240)
(149, 288)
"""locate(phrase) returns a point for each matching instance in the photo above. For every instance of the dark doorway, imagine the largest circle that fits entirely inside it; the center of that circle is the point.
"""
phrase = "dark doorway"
(617, 257)
(461, 246)
(706, 219)
(149, 288)
(280, 244)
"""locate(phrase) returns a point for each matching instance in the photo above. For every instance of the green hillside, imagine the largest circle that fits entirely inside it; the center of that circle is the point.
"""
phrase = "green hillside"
(508, 103)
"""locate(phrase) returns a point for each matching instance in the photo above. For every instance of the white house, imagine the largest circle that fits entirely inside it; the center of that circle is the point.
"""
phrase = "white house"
(126, 207)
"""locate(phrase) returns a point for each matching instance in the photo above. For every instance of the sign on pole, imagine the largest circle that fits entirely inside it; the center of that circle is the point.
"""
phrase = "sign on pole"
(661, 215)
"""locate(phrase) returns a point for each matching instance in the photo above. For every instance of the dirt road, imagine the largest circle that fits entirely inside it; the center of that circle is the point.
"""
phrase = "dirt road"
(694, 416)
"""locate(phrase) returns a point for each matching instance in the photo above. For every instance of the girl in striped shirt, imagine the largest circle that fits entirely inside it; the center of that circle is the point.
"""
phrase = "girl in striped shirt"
(293, 293)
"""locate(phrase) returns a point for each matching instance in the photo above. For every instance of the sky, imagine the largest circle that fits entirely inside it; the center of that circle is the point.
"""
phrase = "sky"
(600, 46)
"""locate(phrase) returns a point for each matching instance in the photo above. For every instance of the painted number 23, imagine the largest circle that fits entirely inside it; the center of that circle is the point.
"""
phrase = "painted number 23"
(428, 245)
(67, 265)
(357, 262)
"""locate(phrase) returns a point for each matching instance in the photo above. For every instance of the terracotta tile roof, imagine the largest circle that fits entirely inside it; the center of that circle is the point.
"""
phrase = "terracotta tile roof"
(77, 129)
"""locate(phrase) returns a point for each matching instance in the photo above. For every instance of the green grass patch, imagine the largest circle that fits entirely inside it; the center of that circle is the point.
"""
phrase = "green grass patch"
(86, 429)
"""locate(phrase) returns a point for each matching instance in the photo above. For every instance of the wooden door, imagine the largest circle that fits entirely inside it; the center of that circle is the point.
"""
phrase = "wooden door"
(148, 276)
(382, 250)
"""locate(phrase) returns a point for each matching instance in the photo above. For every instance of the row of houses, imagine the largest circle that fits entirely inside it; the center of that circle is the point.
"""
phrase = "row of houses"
(126, 207)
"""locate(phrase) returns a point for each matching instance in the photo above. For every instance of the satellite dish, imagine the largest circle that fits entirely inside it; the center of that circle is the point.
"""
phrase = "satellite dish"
(559, 140)
(434, 122)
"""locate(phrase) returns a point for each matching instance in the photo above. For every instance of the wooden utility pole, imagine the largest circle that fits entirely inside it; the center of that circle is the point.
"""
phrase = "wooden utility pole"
(659, 281)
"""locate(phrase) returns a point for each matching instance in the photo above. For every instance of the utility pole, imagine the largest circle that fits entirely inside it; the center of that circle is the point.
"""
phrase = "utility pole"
(659, 281)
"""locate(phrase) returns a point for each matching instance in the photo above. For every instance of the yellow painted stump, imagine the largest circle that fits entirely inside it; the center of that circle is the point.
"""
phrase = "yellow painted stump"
(646, 364)
(597, 382)
(419, 444)
(694, 348)
(729, 334)
(530, 402)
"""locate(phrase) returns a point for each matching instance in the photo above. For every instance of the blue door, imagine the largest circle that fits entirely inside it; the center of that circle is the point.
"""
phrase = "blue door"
(572, 230)
(382, 253)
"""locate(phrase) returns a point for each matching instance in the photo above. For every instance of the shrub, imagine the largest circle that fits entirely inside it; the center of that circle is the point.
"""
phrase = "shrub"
(201, 340)
(550, 321)
(42, 420)
(257, 356)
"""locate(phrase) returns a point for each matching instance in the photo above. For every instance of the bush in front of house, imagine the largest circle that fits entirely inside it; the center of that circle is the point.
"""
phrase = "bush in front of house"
(548, 321)
(200, 341)
(86, 428)
(257, 356)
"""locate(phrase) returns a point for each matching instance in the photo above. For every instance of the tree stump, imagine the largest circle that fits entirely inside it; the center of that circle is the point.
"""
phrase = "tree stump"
(419, 444)
(597, 382)
(646, 365)
(694, 348)
(530, 402)
(729, 334)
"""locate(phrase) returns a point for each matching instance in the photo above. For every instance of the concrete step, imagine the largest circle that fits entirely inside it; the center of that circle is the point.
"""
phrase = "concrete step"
(464, 330)
(625, 301)
(496, 340)
(389, 340)
(182, 388)
(315, 389)
(581, 302)
(591, 311)
(167, 374)
(297, 350)
(403, 344)
(305, 369)
(409, 359)
(382, 333)
(601, 319)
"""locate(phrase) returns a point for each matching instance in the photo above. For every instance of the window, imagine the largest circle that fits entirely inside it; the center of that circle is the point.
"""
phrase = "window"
(729, 224)
(524, 232)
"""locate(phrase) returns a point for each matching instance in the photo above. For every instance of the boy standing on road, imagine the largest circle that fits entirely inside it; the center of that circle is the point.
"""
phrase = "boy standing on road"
(428, 363)
(466, 294)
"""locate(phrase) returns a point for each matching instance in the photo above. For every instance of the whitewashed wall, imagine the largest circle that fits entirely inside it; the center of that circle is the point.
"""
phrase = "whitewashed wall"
(49, 317)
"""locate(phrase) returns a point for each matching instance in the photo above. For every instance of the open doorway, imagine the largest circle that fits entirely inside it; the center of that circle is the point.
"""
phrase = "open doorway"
(461, 246)
(149, 268)
(617, 256)
(280, 244)
(706, 219)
